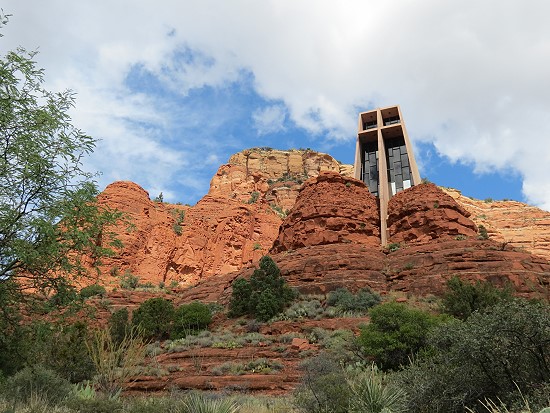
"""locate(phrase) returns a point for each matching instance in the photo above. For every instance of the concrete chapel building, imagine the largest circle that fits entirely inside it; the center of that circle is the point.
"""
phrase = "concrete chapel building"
(384, 158)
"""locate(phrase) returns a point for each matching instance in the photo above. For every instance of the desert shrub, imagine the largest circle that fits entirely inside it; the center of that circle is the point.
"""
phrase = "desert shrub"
(254, 195)
(462, 298)
(94, 405)
(129, 281)
(264, 296)
(370, 392)
(60, 347)
(119, 324)
(191, 318)
(500, 353)
(114, 361)
(201, 403)
(323, 388)
(154, 317)
(345, 301)
(91, 290)
(35, 381)
(482, 232)
(395, 333)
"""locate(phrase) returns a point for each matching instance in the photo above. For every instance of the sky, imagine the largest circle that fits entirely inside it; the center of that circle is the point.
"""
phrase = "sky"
(172, 88)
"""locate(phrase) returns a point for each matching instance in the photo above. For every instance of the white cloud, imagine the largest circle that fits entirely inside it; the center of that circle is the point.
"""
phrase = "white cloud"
(471, 77)
(270, 119)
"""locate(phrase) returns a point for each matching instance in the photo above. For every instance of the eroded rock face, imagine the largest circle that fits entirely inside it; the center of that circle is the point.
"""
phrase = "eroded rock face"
(330, 209)
(275, 175)
(423, 213)
(520, 225)
(177, 243)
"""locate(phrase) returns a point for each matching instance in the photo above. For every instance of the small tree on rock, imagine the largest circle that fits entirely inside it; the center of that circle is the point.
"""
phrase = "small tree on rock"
(265, 295)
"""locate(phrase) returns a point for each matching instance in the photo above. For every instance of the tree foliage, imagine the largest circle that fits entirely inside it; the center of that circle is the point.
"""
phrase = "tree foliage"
(154, 318)
(191, 318)
(265, 295)
(49, 216)
(462, 298)
(395, 333)
(502, 352)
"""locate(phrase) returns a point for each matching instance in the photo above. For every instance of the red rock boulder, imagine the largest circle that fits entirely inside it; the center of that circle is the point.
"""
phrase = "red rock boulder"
(330, 209)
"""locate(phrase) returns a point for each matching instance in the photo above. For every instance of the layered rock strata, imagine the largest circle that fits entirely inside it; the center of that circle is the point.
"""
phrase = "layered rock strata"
(330, 209)
(423, 213)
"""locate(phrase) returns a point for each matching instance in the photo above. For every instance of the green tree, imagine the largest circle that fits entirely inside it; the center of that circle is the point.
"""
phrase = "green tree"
(462, 298)
(154, 318)
(265, 295)
(502, 352)
(191, 318)
(49, 216)
(395, 333)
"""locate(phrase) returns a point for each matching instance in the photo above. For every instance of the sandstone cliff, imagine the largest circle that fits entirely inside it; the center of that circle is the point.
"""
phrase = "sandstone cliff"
(238, 221)
(521, 225)
(433, 240)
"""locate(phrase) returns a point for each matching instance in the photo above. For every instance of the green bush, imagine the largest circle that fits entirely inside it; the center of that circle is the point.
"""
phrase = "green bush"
(345, 301)
(119, 325)
(154, 318)
(191, 318)
(462, 298)
(264, 296)
(36, 381)
(59, 347)
(91, 290)
(323, 388)
(396, 333)
(129, 281)
(482, 232)
(501, 353)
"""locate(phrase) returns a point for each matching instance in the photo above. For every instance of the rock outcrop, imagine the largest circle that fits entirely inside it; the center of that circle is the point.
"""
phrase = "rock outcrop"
(512, 222)
(177, 244)
(330, 209)
(423, 213)
(276, 175)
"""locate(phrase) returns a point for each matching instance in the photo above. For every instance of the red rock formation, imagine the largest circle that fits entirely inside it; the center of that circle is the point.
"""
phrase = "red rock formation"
(423, 213)
(215, 236)
(330, 209)
(518, 224)
(276, 175)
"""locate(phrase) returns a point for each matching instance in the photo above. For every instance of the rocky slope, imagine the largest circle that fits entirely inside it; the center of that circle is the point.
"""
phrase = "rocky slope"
(178, 245)
(238, 220)
(432, 239)
(521, 225)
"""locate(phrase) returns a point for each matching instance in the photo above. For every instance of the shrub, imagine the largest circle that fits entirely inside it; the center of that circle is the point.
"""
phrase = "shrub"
(129, 281)
(200, 403)
(191, 318)
(264, 296)
(495, 354)
(35, 381)
(91, 290)
(61, 348)
(462, 298)
(394, 246)
(344, 300)
(154, 318)
(254, 197)
(395, 333)
(119, 324)
(482, 232)
(115, 362)
(323, 388)
(371, 393)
